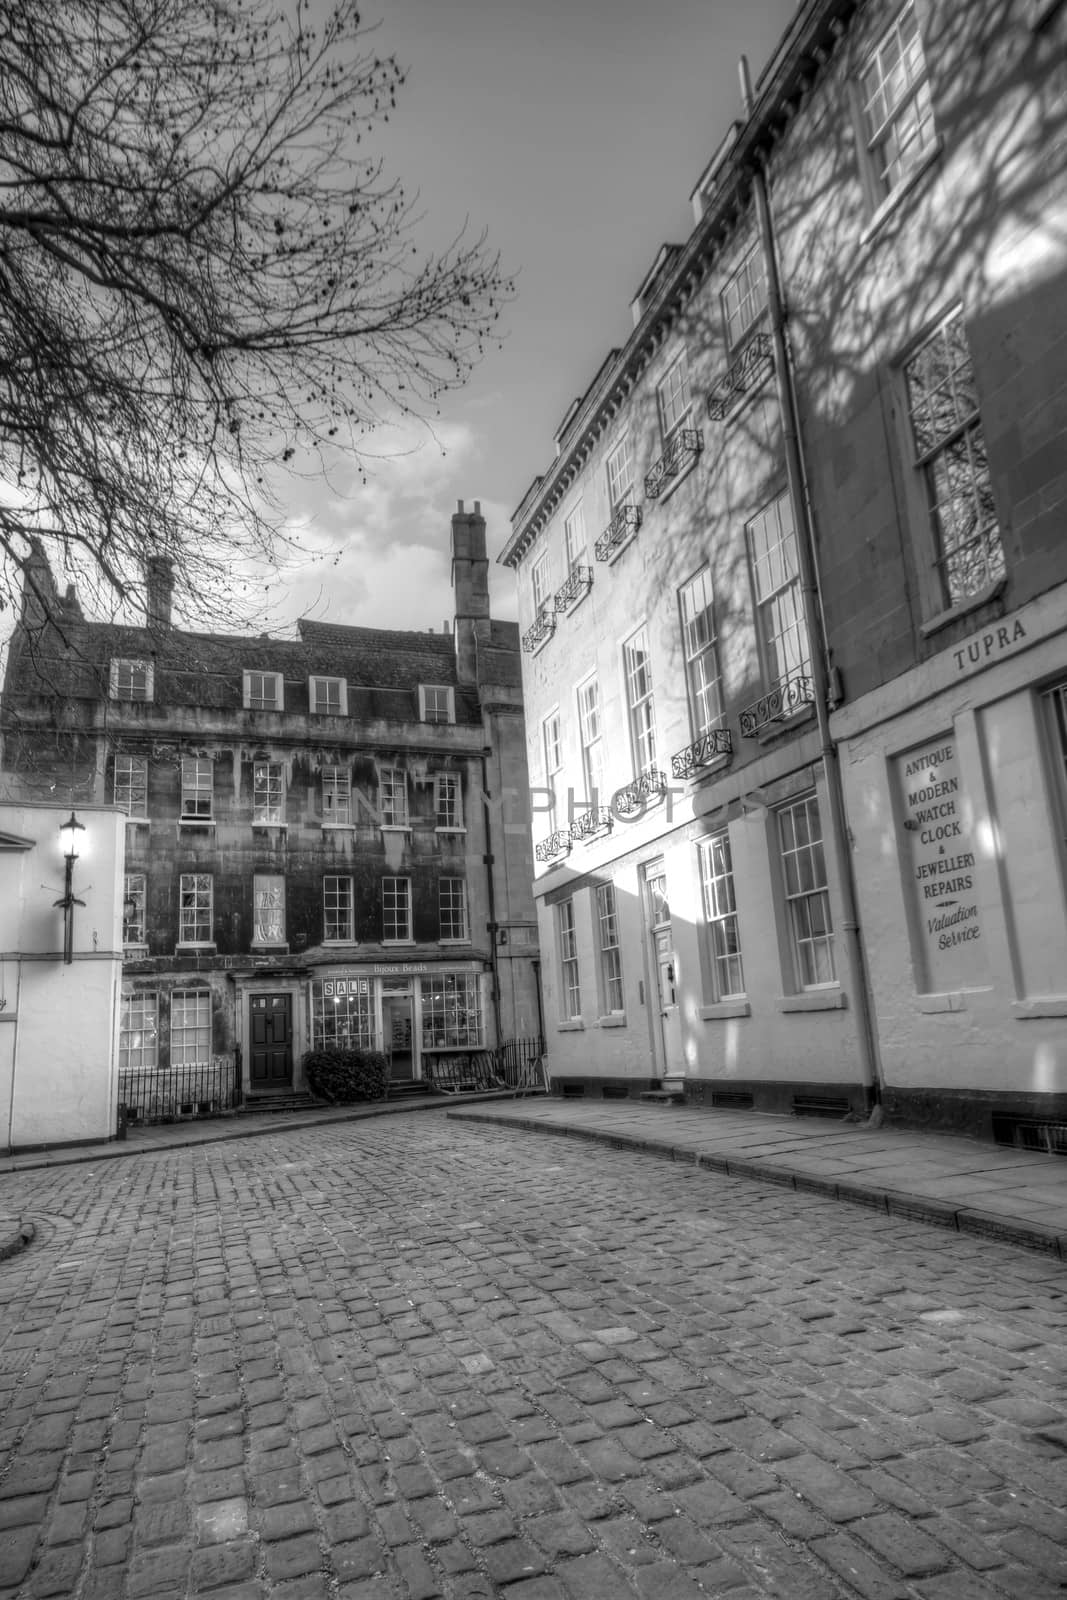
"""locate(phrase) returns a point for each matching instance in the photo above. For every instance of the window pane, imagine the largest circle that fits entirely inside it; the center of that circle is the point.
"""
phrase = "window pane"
(807, 898)
(139, 1031)
(190, 1028)
(268, 896)
(337, 908)
(396, 908)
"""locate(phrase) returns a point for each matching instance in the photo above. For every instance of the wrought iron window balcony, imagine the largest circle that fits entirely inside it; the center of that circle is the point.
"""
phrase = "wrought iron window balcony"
(623, 525)
(646, 786)
(755, 363)
(791, 695)
(682, 451)
(596, 820)
(711, 746)
(557, 844)
(542, 628)
(579, 583)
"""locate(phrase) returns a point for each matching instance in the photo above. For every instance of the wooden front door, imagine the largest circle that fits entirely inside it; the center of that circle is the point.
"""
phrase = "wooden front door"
(396, 1026)
(271, 1033)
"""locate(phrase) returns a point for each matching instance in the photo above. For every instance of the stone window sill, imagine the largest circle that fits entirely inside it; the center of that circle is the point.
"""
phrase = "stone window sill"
(974, 602)
(725, 1008)
(614, 1019)
(572, 1025)
(1053, 1005)
(196, 822)
(813, 1000)
(137, 822)
(195, 949)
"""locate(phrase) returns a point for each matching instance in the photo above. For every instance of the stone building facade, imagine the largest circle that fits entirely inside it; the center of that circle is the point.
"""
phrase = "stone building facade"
(320, 840)
(802, 831)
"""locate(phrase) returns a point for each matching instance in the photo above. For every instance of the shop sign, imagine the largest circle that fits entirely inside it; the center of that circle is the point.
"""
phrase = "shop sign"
(941, 861)
(336, 988)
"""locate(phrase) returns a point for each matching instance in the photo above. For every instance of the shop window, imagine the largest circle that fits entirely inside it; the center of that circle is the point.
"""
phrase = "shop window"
(452, 1012)
(342, 1014)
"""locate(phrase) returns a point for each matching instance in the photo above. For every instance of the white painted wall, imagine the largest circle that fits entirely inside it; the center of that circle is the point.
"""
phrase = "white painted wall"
(59, 1026)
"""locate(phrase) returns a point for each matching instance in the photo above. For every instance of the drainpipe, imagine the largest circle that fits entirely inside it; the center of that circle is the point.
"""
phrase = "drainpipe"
(813, 616)
(491, 893)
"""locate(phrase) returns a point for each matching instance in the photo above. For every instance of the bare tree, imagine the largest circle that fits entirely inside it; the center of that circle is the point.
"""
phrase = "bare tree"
(203, 273)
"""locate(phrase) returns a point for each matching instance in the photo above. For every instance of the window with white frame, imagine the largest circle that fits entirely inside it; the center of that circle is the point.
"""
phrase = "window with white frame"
(806, 893)
(134, 907)
(898, 114)
(451, 1012)
(570, 994)
(591, 735)
(539, 582)
(338, 919)
(447, 802)
(263, 691)
(452, 906)
(190, 1028)
(700, 642)
(951, 455)
(198, 782)
(553, 748)
(130, 785)
(336, 797)
(575, 540)
(195, 907)
(672, 393)
(610, 952)
(139, 1031)
(638, 670)
(268, 908)
(721, 929)
(744, 297)
(131, 680)
(342, 1014)
(328, 697)
(396, 910)
(268, 792)
(781, 630)
(620, 471)
(437, 702)
(393, 797)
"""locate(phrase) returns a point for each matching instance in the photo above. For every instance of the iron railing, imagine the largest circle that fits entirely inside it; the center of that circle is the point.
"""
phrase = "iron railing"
(623, 524)
(790, 695)
(713, 744)
(755, 363)
(683, 448)
(557, 844)
(586, 826)
(542, 628)
(646, 786)
(175, 1094)
(517, 1064)
(580, 582)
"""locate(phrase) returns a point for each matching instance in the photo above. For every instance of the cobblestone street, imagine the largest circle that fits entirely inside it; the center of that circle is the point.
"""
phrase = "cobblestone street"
(413, 1358)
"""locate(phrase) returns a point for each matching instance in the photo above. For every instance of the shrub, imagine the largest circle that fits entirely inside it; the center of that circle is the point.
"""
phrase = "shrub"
(344, 1075)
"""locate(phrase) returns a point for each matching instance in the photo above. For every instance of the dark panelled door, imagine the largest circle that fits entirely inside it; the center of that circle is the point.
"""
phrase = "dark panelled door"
(272, 1041)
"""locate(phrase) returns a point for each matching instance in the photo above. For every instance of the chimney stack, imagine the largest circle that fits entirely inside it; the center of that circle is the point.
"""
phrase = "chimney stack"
(470, 585)
(159, 591)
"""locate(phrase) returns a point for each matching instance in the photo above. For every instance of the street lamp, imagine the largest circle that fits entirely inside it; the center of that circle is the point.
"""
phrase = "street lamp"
(68, 835)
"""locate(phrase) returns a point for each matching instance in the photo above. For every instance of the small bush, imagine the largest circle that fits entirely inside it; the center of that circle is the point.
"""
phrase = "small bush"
(345, 1075)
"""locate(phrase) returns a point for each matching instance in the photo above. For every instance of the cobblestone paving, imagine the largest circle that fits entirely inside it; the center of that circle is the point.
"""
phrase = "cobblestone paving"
(422, 1359)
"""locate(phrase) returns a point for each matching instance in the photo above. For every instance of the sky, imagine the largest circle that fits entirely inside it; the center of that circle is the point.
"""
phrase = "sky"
(573, 131)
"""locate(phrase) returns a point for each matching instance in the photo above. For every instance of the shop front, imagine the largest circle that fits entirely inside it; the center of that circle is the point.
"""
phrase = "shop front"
(412, 1011)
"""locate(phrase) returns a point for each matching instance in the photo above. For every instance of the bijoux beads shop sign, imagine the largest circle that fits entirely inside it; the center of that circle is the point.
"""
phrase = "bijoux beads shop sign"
(944, 884)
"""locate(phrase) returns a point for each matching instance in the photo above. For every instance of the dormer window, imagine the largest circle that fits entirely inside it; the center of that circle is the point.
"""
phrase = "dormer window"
(131, 680)
(328, 697)
(263, 691)
(436, 703)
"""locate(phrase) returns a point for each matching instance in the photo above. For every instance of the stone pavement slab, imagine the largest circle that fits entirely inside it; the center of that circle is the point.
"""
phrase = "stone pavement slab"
(958, 1183)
